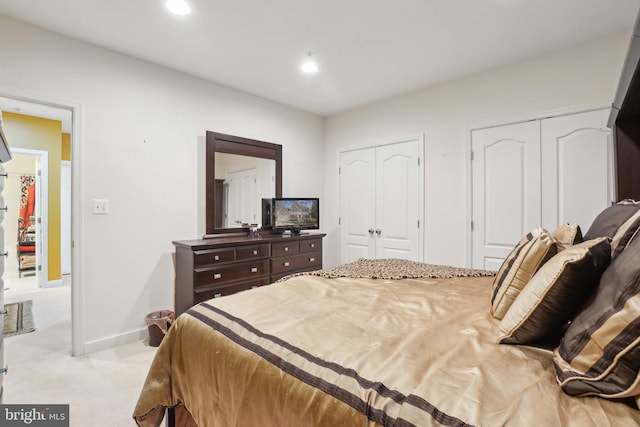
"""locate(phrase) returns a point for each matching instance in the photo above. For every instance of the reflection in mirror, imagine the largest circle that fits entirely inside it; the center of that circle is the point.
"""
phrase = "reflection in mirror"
(240, 208)
(244, 182)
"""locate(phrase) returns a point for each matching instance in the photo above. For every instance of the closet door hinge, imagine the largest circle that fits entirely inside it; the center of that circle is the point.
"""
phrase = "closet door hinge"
(471, 225)
(339, 219)
(339, 171)
(472, 155)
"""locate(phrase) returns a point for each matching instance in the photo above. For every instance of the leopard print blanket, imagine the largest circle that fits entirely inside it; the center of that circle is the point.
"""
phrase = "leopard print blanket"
(393, 269)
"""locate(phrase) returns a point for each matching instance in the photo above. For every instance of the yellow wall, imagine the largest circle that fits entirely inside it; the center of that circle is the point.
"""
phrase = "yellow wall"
(66, 146)
(46, 135)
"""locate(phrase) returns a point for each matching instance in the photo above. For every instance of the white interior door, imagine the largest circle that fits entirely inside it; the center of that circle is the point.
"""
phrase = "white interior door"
(505, 190)
(65, 217)
(577, 174)
(40, 226)
(398, 201)
(242, 197)
(357, 204)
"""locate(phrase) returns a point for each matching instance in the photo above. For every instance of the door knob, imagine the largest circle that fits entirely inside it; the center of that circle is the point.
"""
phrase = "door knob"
(378, 231)
(371, 231)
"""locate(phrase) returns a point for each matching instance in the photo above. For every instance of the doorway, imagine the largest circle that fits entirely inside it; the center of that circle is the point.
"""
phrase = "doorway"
(26, 236)
(11, 101)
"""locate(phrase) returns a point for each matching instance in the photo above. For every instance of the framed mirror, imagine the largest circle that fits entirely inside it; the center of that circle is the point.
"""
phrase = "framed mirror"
(240, 172)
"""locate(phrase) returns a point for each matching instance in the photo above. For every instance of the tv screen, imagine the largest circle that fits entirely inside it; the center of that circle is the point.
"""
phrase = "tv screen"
(295, 214)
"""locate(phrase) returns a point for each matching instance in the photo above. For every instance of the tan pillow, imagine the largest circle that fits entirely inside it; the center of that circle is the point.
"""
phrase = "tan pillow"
(631, 202)
(625, 233)
(524, 260)
(555, 293)
(600, 352)
(567, 235)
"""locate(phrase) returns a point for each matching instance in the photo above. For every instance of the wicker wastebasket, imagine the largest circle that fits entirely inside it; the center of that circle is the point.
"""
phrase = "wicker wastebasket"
(158, 324)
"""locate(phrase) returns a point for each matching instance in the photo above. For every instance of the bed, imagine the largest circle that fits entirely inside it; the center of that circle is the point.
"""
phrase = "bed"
(550, 339)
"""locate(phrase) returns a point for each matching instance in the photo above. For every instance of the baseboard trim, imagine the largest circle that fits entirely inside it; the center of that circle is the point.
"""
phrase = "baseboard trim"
(115, 340)
(53, 283)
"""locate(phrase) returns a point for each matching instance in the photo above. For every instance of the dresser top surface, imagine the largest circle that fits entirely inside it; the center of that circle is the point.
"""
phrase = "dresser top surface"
(243, 240)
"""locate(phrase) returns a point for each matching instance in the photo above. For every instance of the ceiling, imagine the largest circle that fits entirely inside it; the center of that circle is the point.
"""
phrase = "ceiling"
(367, 50)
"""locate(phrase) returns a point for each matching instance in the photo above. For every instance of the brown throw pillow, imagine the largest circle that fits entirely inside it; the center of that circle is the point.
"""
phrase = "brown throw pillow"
(524, 260)
(600, 352)
(609, 220)
(555, 293)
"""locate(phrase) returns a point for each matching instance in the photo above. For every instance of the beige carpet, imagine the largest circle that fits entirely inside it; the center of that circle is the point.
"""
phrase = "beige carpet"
(101, 388)
(18, 319)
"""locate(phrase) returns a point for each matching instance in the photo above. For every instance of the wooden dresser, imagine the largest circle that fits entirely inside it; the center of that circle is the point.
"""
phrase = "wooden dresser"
(210, 268)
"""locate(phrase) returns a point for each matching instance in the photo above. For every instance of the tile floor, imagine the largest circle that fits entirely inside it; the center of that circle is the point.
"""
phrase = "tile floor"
(101, 388)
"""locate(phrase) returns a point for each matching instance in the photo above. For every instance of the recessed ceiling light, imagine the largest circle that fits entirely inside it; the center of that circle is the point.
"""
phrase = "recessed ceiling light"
(309, 66)
(179, 7)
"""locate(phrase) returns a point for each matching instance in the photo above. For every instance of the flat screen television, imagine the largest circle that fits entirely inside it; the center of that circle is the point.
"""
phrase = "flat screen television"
(295, 214)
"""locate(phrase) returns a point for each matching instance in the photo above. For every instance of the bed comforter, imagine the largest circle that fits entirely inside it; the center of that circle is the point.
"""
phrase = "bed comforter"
(341, 351)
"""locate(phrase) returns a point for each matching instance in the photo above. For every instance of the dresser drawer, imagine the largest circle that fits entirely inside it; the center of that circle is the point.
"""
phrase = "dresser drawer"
(252, 252)
(230, 273)
(285, 248)
(296, 262)
(311, 245)
(213, 256)
(220, 291)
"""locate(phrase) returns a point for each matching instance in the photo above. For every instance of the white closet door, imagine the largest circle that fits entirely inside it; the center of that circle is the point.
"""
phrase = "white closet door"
(577, 173)
(242, 197)
(357, 204)
(398, 201)
(505, 190)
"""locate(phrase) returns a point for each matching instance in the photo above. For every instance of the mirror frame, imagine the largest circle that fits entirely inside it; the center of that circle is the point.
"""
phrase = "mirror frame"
(222, 143)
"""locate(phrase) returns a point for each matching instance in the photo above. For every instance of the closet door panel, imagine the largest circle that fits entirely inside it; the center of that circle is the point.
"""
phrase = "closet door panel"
(357, 204)
(505, 190)
(397, 201)
(577, 177)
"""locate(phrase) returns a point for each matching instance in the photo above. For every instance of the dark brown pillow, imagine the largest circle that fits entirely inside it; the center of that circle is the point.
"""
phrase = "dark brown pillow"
(609, 220)
(600, 351)
(555, 293)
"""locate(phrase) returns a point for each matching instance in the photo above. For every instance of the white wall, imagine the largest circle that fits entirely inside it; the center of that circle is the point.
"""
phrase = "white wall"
(143, 149)
(585, 75)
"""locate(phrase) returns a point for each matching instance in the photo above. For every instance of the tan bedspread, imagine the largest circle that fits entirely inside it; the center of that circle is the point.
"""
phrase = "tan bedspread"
(359, 352)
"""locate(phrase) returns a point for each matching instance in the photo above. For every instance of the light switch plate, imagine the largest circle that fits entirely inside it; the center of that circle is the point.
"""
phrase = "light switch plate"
(100, 206)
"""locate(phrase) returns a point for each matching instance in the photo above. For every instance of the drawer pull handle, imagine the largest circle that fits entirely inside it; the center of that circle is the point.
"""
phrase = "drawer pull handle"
(313, 245)
(311, 259)
(254, 269)
(217, 295)
(286, 264)
(216, 258)
(286, 249)
(255, 252)
(217, 276)
(4, 370)
(254, 286)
